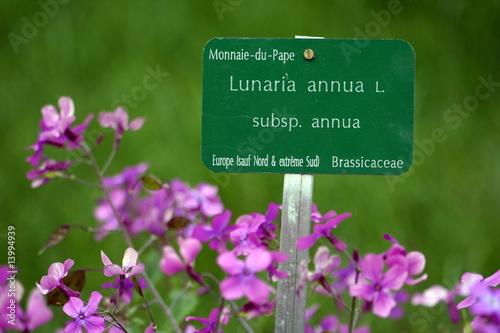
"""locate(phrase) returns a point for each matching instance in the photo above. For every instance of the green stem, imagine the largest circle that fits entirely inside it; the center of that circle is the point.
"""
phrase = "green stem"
(233, 305)
(116, 322)
(80, 181)
(108, 162)
(354, 311)
(128, 240)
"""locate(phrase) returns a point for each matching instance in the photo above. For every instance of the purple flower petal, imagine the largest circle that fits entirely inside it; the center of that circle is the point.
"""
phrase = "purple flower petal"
(304, 243)
(170, 263)
(73, 327)
(105, 260)
(258, 260)
(230, 264)
(136, 124)
(113, 269)
(431, 297)
(67, 106)
(220, 221)
(189, 249)
(203, 233)
(47, 283)
(93, 304)
(37, 312)
(137, 269)
(415, 262)
(129, 259)
(466, 302)
(372, 266)
(383, 304)
(257, 290)
(232, 288)
(94, 324)
(73, 307)
(395, 277)
(364, 291)
(493, 280)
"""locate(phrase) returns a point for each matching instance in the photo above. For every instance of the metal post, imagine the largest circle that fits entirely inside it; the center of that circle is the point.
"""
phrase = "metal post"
(295, 223)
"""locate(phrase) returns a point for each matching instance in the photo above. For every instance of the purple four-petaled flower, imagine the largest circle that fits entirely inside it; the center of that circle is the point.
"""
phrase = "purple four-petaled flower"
(377, 286)
(57, 271)
(119, 122)
(84, 315)
(242, 280)
(324, 230)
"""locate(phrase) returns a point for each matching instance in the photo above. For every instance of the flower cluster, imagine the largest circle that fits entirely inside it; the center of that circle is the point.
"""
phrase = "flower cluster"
(182, 223)
(174, 206)
(12, 315)
(382, 275)
(482, 300)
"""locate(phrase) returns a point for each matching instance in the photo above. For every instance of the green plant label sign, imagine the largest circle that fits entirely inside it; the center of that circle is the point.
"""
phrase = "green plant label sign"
(308, 106)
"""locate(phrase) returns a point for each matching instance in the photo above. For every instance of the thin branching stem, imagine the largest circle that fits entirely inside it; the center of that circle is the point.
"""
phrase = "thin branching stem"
(128, 241)
(109, 160)
(233, 305)
(354, 311)
(80, 181)
(116, 322)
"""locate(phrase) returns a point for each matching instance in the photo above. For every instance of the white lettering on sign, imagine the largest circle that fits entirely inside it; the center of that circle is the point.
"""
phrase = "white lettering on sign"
(259, 55)
(283, 84)
(361, 162)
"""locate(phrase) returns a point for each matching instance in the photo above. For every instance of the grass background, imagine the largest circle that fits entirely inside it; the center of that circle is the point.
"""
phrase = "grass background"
(447, 206)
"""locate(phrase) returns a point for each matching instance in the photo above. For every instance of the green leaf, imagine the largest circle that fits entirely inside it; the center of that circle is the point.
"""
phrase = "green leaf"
(152, 183)
(55, 238)
(178, 222)
(74, 280)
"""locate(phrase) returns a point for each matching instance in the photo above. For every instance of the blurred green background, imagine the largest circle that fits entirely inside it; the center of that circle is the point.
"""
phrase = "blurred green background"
(446, 206)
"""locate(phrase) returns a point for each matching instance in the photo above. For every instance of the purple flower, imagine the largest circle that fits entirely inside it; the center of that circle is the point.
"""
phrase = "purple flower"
(414, 261)
(317, 217)
(246, 236)
(105, 212)
(487, 301)
(54, 124)
(56, 129)
(217, 233)
(242, 280)
(324, 264)
(85, 316)
(129, 266)
(128, 178)
(37, 312)
(213, 319)
(171, 263)
(209, 201)
(436, 294)
(324, 230)
(431, 296)
(482, 324)
(151, 213)
(377, 286)
(267, 228)
(252, 310)
(118, 121)
(276, 258)
(57, 271)
(48, 170)
(469, 280)
(190, 202)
